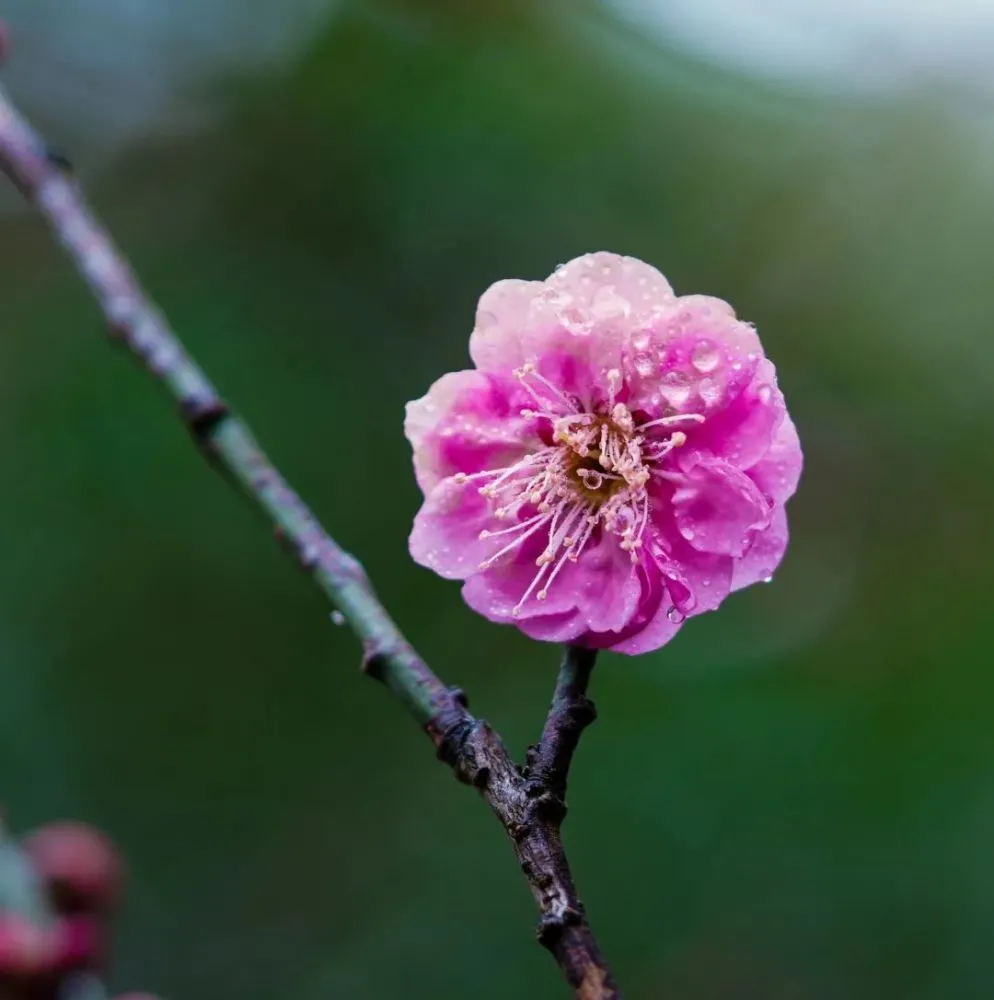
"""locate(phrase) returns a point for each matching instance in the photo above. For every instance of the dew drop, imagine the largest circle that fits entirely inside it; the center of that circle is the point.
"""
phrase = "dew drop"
(675, 388)
(607, 303)
(710, 391)
(675, 615)
(575, 321)
(337, 618)
(556, 298)
(764, 394)
(767, 579)
(706, 582)
(706, 356)
(645, 364)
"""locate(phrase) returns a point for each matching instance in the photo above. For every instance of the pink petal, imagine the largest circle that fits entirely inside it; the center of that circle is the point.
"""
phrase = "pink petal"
(504, 314)
(743, 430)
(720, 509)
(445, 537)
(778, 472)
(466, 422)
(693, 357)
(607, 285)
(602, 587)
(567, 627)
(709, 578)
(764, 554)
(587, 309)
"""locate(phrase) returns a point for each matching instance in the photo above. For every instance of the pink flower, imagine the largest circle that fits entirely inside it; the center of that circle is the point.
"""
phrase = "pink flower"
(618, 460)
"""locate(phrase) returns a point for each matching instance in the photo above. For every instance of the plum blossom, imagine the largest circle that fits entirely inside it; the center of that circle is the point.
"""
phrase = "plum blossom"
(617, 461)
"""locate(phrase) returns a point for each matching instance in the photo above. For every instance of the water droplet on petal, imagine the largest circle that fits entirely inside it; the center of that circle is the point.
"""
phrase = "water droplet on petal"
(556, 298)
(706, 582)
(767, 579)
(706, 356)
(710, 391)
(675, 615)
(607, 303)
(575, 321)
(764, 394)
(675, 388)
(645, 364)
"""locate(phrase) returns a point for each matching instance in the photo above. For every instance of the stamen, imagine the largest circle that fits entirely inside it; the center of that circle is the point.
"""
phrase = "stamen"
(528, 370)
(674, 420)
(488, 563)
(569, 501)
(614, 383)
(516, 610)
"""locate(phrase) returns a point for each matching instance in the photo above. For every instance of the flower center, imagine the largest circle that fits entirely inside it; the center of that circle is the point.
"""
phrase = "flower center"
(592, 479)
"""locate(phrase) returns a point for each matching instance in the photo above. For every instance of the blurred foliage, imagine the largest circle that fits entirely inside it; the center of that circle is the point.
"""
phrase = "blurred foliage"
(791, 802)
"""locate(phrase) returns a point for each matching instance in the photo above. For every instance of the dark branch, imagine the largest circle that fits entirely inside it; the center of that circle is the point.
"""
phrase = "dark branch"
(570, 713)
(530, 808)
(564, 929)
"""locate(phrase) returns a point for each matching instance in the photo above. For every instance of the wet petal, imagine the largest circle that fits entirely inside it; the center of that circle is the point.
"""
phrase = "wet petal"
(719, 509)
(764, 555)
(466, 422)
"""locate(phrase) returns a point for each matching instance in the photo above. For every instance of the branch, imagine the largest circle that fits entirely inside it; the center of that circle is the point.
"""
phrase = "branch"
(530, 812)
(570, 713)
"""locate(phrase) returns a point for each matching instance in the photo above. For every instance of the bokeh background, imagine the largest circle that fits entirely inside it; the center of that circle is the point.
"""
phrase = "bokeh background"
(794, 800)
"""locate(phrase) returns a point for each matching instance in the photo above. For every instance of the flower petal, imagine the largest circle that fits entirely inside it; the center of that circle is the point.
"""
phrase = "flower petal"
(601, 587)
(742, 432)
(765, 553)
(466, 422)
(566, 627)
(445, 537)
(503, 316)
(778, 472)
(719, 509)
(608, 284)
(694, 356)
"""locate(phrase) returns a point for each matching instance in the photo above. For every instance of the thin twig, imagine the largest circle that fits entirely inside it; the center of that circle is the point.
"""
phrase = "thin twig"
(529, 813)
(570, 713)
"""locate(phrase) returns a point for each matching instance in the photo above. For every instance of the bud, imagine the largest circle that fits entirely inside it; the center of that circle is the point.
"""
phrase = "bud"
(78, 945)
(79, 865)
(26, 950)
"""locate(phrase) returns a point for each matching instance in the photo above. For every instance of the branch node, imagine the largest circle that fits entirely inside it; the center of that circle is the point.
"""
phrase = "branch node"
(58, 159)
(550, 806)
(202, 416)
(552, 926)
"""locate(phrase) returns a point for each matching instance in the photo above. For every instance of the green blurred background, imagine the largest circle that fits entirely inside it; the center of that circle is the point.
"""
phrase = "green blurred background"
(792, 801)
